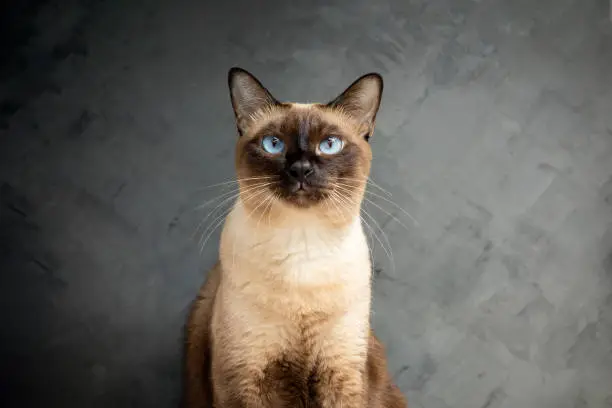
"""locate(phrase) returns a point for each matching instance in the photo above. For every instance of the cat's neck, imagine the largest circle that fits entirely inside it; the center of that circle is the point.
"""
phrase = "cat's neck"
(300, 250)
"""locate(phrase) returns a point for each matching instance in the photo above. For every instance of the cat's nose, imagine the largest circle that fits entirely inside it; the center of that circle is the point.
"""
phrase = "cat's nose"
(301, 169)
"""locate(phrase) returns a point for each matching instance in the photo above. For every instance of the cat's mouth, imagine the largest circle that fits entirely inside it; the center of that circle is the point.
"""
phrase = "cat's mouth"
(303, 193)
(301, 187)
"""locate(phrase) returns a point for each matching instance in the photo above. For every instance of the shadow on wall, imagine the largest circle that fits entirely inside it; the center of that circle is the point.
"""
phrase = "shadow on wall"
(50, 348)
(29, 53)
(24, 263)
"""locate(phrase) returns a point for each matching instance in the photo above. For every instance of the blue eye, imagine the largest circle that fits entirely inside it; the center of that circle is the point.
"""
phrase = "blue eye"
(272, 144)
(331, 145)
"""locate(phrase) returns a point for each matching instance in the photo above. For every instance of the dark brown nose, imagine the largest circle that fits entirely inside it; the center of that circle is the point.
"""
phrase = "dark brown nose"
(301, 169)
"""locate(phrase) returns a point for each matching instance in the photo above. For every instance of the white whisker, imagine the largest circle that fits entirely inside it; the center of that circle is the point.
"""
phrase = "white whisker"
(216, 222)
(336, 197)
(224, 183)
(388, 201)
(233, 191)
(226, 201)
(365, 198)
(221, 218)
(367, 181)
(387, 249)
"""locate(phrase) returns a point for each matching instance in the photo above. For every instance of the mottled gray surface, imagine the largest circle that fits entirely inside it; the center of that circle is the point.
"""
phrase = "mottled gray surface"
(495, 133)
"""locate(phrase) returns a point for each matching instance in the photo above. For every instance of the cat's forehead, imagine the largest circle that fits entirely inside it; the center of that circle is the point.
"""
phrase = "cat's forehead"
(302, 118)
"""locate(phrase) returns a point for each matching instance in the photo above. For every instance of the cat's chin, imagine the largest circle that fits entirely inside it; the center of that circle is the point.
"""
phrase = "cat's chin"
(303, 199)
(302, 195)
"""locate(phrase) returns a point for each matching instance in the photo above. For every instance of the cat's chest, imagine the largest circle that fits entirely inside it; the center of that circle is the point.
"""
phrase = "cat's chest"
(292, 380)
(306, 352)
(305, 257)
(306, 336)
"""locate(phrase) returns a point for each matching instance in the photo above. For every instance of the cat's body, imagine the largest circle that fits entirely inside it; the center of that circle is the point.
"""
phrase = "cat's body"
(283, 319)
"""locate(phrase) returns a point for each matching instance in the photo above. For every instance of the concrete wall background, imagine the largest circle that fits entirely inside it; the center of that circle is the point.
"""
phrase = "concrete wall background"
(495, 133)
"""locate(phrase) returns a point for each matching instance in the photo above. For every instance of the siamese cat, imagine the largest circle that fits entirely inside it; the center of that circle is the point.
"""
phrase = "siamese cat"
(283, 319)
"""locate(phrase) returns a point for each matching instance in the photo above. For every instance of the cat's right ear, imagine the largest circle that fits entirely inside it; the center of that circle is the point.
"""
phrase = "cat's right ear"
(248, 97)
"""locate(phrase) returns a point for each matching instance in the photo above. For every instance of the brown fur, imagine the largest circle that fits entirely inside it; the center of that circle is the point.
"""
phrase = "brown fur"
(283, 318)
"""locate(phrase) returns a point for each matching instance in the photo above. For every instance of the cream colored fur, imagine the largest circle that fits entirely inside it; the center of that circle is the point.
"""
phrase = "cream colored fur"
(274, 276)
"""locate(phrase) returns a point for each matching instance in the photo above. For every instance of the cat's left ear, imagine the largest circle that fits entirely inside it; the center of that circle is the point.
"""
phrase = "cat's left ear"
(248, 97)
(361, 101)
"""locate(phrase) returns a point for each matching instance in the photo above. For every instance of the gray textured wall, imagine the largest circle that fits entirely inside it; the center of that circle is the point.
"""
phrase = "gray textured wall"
(495, 134)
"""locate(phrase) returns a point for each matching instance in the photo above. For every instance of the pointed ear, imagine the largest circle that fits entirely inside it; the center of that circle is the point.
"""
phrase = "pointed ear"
(361, 100)
(248, 96)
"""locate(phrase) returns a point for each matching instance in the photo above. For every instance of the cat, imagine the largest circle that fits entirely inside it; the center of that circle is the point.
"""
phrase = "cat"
(283, 319)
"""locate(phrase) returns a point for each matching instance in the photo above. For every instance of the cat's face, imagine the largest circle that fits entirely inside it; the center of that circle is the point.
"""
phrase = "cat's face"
(303, 156)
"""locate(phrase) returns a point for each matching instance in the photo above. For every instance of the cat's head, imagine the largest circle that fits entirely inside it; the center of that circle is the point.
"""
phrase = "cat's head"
(303, 156)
